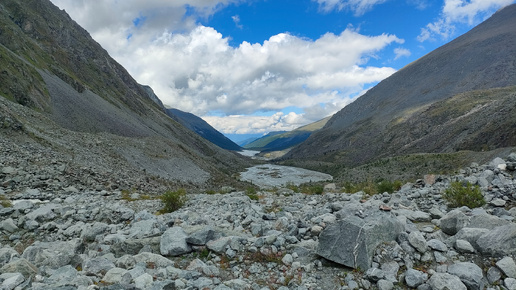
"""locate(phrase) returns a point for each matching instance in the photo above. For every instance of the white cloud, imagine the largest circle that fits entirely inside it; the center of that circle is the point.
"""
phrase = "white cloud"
(470, 12)
(236, 19)
(359, 7)
(401, 52)
(193, 68)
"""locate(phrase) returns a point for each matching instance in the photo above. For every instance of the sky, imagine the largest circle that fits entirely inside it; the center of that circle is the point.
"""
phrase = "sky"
(256, 66)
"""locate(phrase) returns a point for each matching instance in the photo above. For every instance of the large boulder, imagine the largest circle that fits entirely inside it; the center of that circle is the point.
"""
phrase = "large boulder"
(453, 222)
(498, 242)
(470, 274)
(351, 241)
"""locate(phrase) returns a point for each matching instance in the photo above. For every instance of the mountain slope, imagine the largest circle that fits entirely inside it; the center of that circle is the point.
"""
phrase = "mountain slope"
(387, 120)
(202, 128)
(52, 66)
(277, 141)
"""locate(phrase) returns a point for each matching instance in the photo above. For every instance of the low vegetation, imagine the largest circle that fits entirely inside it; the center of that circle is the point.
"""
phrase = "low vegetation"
(464, 194)
(4, 202)
(173, 200)
(372, 188)
(307, 188)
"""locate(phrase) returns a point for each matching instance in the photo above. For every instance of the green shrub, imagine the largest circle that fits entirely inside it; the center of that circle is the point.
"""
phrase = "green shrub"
(173, 200)
(459, 194)
(290, 185)
(312, 189)
(388, 186)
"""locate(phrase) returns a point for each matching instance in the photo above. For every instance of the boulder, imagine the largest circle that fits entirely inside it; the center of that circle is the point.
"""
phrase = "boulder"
(507, 266)
(453, 222)
(173, 242)
(498, 242)
(351, 241)
(470, 274)
(414, 278)
(200, 238)
(445, 281)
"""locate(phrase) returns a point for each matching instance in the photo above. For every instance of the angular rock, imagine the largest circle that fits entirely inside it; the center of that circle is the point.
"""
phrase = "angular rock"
(510, 283)
(155, 259)
(453, 221)
(470, 274)
(173, 242)
(219, 245)
(114, 275)
(507, 266)
(89, 233)
(98, 266)
(418, 241)
(13, 281)
(464, 246)
(8, 225)
(445, 281)
(200, 238)
(414, 278)
(493, 275)
(499, 242)
(351, 241)
(437, 245)
(20, 266)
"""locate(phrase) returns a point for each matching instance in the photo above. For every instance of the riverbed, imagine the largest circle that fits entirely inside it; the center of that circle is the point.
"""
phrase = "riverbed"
(270, 175)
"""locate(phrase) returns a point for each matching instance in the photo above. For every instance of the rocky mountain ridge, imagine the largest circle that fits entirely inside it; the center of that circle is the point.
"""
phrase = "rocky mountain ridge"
(52, 66)
(440, 103)
(66, 229)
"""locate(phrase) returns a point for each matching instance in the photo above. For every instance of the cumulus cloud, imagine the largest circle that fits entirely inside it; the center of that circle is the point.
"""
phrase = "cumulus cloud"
(460, 11)
(193, 68)
(359, 7)
(401, 52)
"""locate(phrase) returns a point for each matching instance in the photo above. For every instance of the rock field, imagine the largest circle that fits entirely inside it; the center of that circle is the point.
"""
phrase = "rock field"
(67, 228)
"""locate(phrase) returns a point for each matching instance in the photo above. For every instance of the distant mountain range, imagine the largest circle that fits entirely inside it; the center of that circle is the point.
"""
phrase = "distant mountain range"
(201, 127)
(51, 65)
(462, 96)
(281, 140)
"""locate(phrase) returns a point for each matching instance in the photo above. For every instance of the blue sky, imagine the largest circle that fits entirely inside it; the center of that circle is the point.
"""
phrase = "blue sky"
(255, 66)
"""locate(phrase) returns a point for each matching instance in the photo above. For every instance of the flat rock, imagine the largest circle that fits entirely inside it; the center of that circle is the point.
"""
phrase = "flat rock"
(351, 241)
(499, 242)
(445, 281)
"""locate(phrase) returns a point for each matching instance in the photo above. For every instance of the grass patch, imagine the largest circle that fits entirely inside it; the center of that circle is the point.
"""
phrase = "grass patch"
(372, 188)
(251, 193)
(464, 194)
(4, 202)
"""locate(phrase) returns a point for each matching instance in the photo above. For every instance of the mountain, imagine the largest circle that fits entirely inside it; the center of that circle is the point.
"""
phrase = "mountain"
(281, 140)
(202, 128)
(460, 96)
(68, 86)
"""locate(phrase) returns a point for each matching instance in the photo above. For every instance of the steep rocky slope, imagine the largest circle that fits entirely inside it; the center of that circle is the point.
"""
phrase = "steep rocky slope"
(52, 66)
(446, 101)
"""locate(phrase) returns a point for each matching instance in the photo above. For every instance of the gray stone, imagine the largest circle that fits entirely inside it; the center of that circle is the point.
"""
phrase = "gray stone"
(155, 259)
(470, 274)
(89, 233)
(470, 234)
(8, 225)
(510, 283)
(173, 242)
(142, 229)
(437, 245)
(200, 238)
(493, 274)
(507, 266)
(385, 285)
(20, 266)
(219, 245)
(97, 266)
(445, 281)
(374, 274)
(499, 242)
(498, 202)
(287, 259)
(114, 275)
(464, 246)
(351, 241)
(13, 281)
(486, 221)
(143, 281)
(453, 221)
(23, 205)
(418, 241)
(414, 278)
(7, 254)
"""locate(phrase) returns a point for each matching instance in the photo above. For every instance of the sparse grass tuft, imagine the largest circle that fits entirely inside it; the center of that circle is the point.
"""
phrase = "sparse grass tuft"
(4, 202)
(464, 194)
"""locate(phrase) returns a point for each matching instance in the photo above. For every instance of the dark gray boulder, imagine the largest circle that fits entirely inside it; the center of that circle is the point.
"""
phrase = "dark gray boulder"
(351, 241)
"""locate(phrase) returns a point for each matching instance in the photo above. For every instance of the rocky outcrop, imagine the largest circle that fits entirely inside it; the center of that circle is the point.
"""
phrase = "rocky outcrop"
(66, 236)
